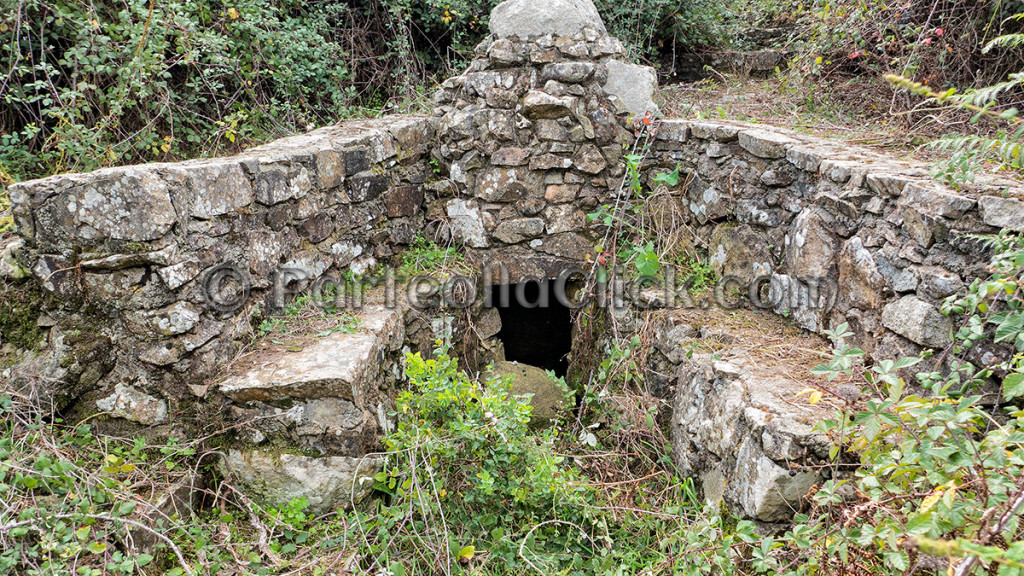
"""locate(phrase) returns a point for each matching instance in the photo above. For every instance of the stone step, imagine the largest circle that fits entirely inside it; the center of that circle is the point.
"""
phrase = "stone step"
(327, 483)
(742, 422)
(338, 365)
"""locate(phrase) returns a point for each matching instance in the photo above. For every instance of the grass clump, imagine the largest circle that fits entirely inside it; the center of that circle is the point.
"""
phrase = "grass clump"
(308, 314)
(428, 257)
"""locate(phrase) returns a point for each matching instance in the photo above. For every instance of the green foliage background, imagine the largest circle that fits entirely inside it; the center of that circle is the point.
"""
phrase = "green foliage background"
(112, 82)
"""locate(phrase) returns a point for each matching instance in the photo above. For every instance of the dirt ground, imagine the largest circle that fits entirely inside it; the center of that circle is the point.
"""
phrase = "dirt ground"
(861, 111)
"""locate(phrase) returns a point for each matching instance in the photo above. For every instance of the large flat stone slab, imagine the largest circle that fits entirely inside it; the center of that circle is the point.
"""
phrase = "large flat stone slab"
(335, 366)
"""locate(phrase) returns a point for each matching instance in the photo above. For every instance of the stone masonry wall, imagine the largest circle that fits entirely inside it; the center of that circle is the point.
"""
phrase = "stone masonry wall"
(889, 243)
(528, 140)
(895, 243)
(532, 137)
(123, 253)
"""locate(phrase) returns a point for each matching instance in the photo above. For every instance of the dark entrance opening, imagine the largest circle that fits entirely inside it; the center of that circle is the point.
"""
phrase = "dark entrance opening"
(536, 328)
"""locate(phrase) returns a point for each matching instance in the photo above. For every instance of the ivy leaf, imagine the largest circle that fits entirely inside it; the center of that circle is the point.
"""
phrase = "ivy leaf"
(647, 262)
(669, 179)
(1013, 385)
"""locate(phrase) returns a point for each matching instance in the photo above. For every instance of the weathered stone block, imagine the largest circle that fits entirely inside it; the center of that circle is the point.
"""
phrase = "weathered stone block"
(467, 222)
(714, 131)
(859, 278)
(568, 245)
(568, 72)
(540, 105)
(177, 318)
(366, 186)
(218, 188)
(499, 184)
(404, 201)
(339, 365)
(588, 159)
(503, 53)
(514, 231)
(327, 483)
(739, 252)
(938, 282)
(804, 158)
(922, 226)
(634, 86)
(559, 193)
(564, 218)
(549, 162)
(131, 203)
(135, 405)
(510, 156)
(330, 169)
(936, 201)
(528, 18)
(765, 144)
(1002, 212)
(917, 321)
(317, 228)
(811, 246)
(277, 182)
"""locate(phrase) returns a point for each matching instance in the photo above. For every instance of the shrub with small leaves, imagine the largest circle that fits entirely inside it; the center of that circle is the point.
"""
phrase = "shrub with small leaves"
(927, 475)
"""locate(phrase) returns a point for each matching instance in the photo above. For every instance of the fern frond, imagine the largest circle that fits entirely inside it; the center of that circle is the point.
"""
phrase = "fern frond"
(987, 95)
(1005, 41)
(1000, 149)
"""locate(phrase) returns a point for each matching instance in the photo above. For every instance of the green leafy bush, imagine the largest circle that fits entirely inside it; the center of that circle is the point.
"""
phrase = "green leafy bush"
(929, 476)
(466, 468)
(108, 83)
(1003, 146)
(936, 43)
(105, 83)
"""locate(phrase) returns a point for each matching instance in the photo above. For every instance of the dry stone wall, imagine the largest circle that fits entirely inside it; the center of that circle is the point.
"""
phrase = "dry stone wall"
(125, 255)
(532, 136)
(830, 234)
(882, 242)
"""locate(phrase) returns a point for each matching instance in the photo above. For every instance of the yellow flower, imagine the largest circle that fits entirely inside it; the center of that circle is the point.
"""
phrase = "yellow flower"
(232, 13)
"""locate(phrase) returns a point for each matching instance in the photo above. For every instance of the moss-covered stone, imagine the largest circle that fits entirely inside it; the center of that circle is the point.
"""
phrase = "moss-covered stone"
(20, 305)
(548, 395)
